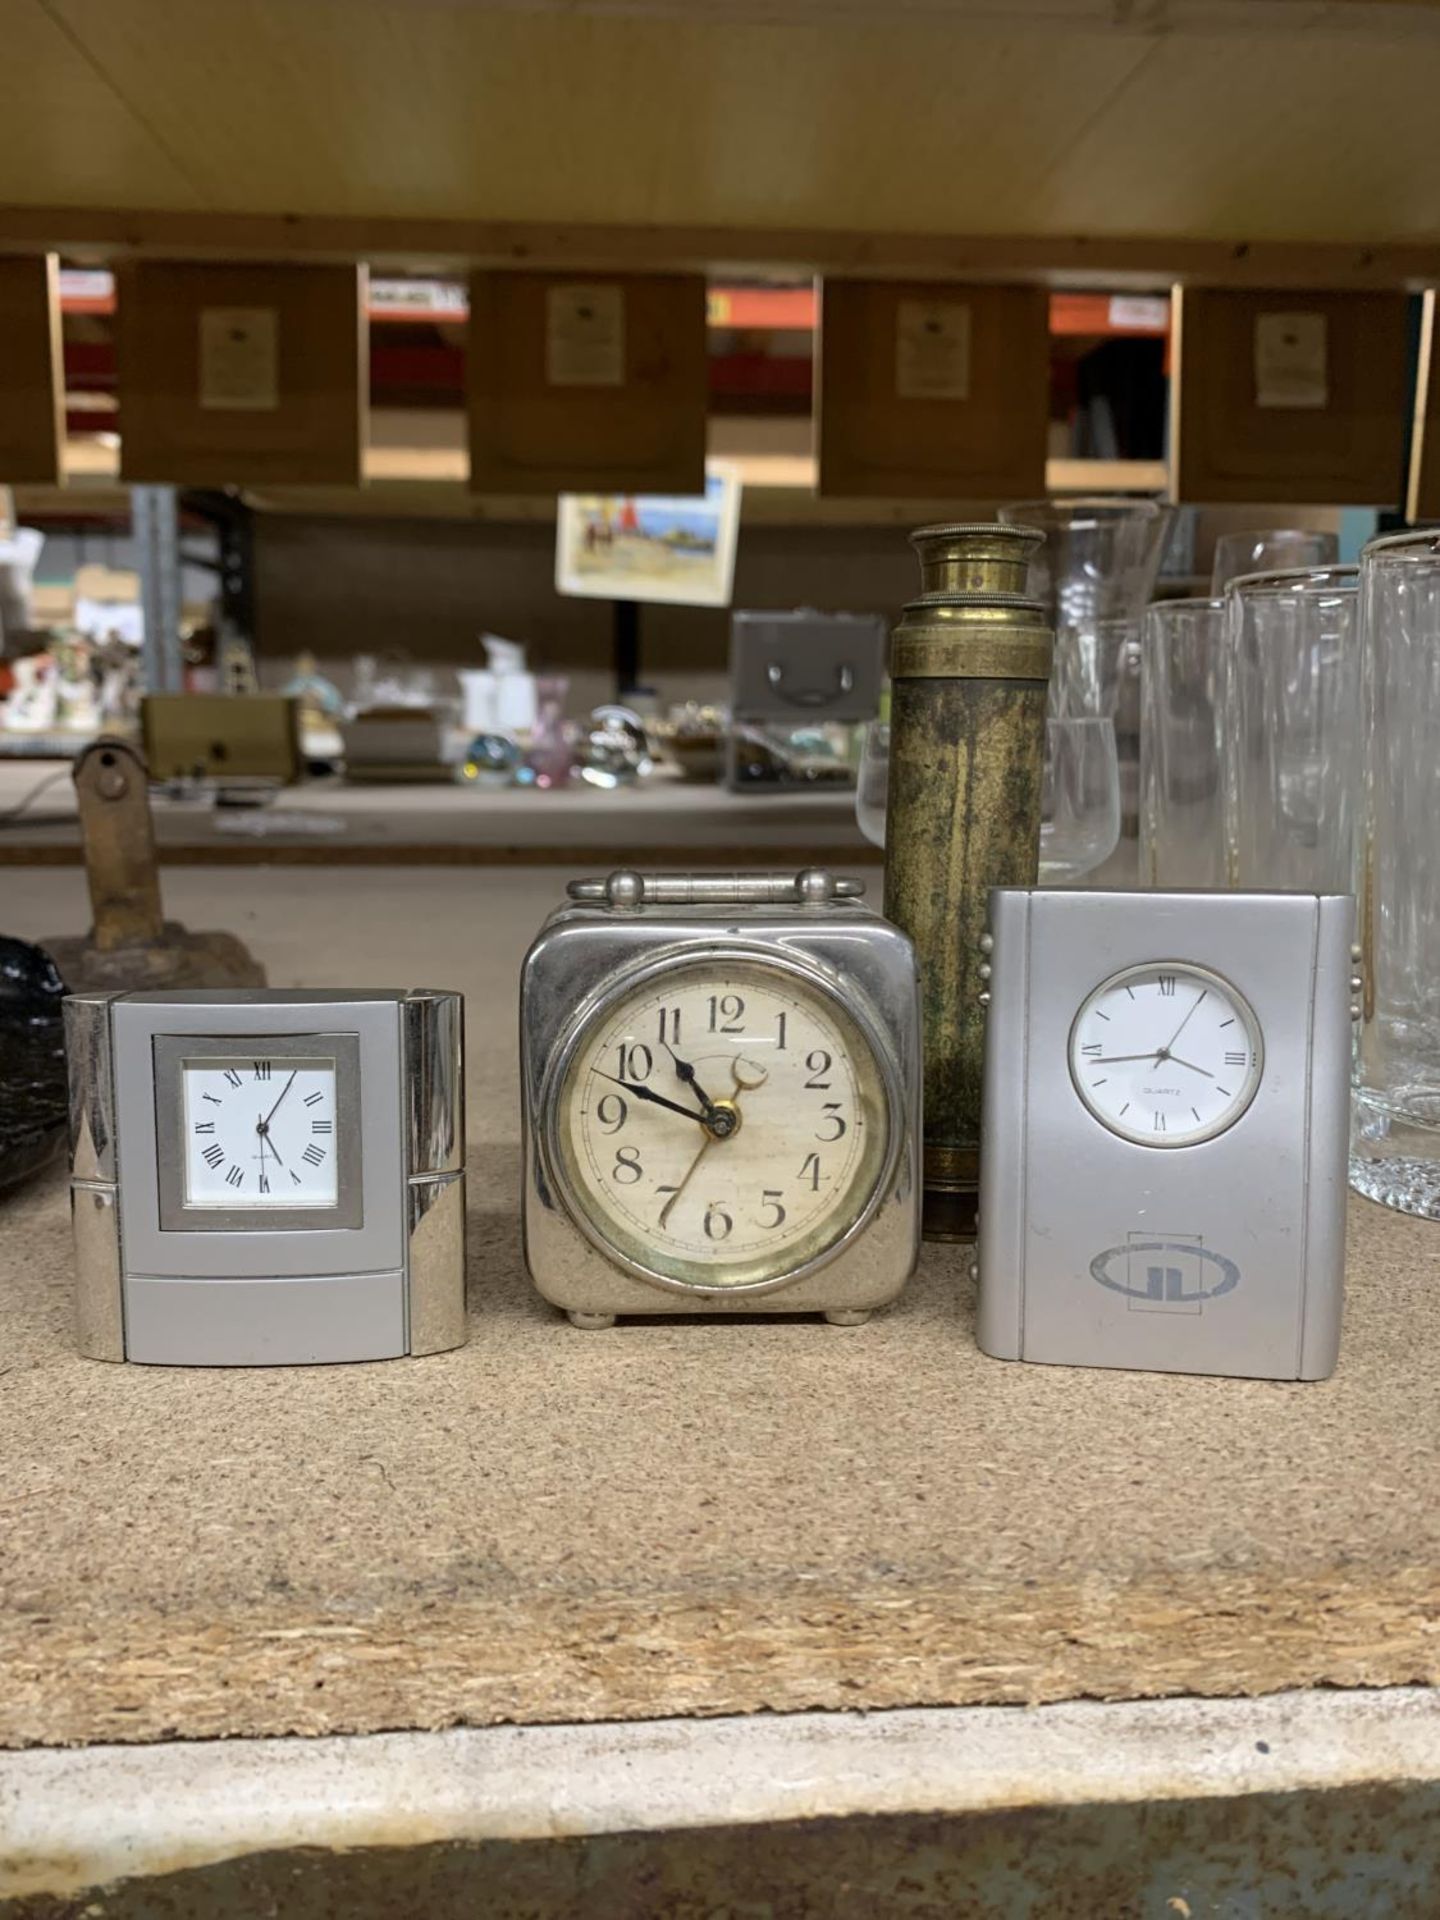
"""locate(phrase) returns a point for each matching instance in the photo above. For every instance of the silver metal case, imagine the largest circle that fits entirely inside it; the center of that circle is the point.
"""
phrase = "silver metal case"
(1222, 1256)
(379, 1274)
(589, 953)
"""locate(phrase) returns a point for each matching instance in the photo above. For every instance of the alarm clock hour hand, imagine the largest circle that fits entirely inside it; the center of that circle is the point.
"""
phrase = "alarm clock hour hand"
(685, 1071)
(656, 1099)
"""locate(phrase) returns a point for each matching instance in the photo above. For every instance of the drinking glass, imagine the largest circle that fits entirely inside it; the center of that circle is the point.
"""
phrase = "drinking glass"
(1395, 1138)
(1080, 795)
(872, 782)
(1097, 573)
(1292, 729)
(1182, 799)
(1269, 552)
(1080, 798)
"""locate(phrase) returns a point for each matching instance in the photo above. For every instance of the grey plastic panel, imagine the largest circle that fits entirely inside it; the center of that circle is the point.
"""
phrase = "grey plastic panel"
(1261, 1206)
(799, 666)
(437, 1263)
(262, 1323)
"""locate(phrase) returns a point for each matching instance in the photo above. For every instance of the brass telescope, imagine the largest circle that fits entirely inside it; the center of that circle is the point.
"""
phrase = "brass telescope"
(970, 667)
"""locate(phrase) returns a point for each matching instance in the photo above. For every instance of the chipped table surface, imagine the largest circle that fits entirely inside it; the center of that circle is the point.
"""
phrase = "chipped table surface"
(669, 1519)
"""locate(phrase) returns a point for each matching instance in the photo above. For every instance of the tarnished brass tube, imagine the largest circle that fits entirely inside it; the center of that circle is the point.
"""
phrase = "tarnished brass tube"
(970, 666)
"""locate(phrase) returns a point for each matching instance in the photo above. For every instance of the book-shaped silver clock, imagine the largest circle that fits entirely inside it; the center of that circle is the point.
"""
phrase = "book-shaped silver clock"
(261, 1176)
(1166, 1113)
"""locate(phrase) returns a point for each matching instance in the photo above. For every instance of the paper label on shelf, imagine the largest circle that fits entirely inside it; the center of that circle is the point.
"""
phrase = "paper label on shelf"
(585, 336)
(932, 350)
(239, 359)
(1145, 312)
(1290, 360)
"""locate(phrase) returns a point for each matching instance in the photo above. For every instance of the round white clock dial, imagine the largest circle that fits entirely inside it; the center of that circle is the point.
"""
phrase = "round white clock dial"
(723, 1124)
(1167, 1054)
(260, 1133)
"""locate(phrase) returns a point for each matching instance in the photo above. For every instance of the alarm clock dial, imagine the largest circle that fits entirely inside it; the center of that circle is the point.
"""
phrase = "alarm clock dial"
(724, 1123)
(260, 1133)
(1167, 1054)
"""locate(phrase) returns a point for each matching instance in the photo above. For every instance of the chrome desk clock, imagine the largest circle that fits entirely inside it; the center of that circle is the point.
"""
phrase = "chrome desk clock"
(1166, 1107)
(261, 1176)
(722, 1099)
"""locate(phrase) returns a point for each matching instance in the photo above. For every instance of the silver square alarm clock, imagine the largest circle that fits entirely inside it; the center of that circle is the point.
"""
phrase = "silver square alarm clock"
(263, 1176)
(1166, 1110)
(721, 1099)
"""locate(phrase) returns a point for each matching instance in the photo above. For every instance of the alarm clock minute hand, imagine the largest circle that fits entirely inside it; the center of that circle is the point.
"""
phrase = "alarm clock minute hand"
(655, 1099)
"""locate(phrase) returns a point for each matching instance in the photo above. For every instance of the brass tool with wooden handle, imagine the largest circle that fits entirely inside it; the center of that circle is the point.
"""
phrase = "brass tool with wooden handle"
(131, 945)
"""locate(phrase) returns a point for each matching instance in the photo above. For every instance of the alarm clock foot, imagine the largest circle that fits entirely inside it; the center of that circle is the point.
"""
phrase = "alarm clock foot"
(845, 1317)
(591, 1322)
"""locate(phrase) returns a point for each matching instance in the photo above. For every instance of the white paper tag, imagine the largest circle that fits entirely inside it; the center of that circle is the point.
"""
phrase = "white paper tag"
(1290, 360)
(239, 359)
(585, 336)
(932, 350)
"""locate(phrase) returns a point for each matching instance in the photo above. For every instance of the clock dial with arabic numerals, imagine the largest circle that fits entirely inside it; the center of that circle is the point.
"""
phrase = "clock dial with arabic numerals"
(1166, 1054)
(723, 1124)
(260, 1133)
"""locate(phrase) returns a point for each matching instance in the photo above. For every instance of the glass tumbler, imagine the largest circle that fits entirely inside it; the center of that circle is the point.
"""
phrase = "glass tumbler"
(1182, 797)
(1267, 552)
(1097, 572)
(1395, 1138)
(1292, 729)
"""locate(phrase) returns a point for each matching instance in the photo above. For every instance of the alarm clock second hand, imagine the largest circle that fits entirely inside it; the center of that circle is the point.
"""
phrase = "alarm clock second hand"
(755, 1077)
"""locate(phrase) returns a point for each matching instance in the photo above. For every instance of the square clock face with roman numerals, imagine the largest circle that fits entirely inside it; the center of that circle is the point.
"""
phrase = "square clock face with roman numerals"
(259, 1131)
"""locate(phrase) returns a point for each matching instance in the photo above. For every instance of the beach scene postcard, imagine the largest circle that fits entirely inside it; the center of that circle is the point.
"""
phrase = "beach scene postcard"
(621, 546)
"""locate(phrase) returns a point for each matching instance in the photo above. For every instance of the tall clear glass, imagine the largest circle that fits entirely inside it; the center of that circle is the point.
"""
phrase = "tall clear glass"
(1097, 573)
(1395, 1142)
(1292, 728)
(1269, 551)
(1182, 798)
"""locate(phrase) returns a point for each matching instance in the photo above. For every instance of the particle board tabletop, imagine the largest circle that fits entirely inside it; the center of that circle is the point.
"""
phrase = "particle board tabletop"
(669, 1518)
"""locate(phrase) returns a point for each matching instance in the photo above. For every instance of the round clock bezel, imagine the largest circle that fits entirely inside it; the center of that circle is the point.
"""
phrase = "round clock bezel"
(1194, 970)
(596, 1008)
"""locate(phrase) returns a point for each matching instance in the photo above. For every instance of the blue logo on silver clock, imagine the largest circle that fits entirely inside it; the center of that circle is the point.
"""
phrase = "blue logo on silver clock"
(1172, 1275)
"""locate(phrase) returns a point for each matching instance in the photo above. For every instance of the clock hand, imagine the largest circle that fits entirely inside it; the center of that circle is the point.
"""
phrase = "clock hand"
(655, 1099)
(686, 1072)
(265, 1123)
(1175, 1058)
(1185, 1022)
(1109, 1059)
(745, 1073)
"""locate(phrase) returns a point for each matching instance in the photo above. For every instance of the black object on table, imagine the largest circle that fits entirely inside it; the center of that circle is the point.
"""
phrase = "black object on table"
(33, 1101)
